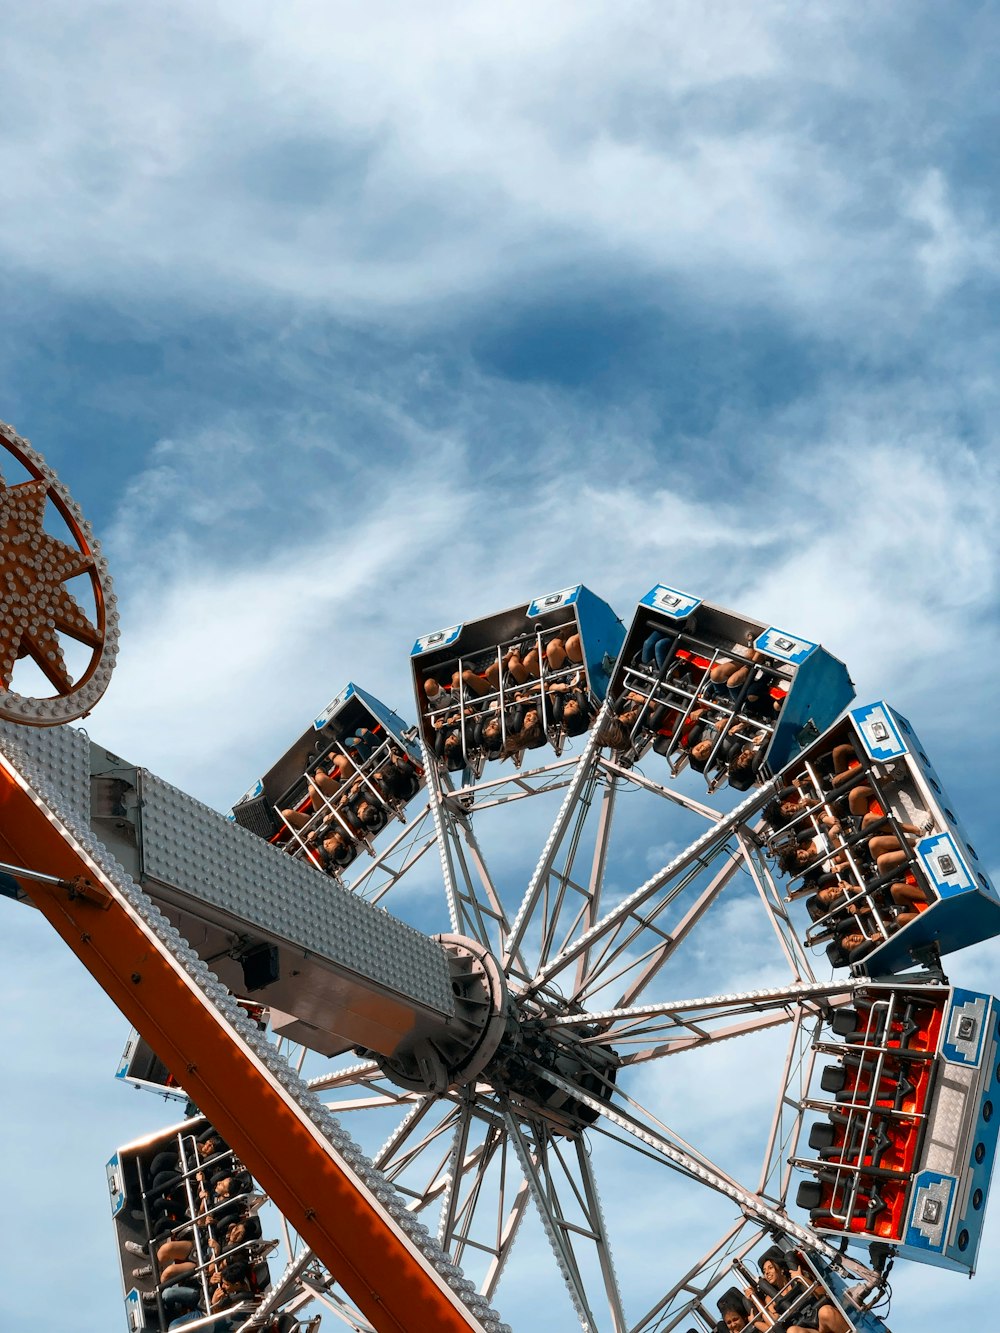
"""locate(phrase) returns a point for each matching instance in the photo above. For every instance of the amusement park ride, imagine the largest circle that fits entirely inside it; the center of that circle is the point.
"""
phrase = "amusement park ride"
(274, 996)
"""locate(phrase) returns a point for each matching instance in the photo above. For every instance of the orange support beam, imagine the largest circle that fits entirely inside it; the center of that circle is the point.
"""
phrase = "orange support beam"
(378, 1266)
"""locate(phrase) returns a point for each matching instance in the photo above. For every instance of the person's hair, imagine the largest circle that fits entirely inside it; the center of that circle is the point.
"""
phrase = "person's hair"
(742, 769)
(788, 858)
(779, 1259)
(775, 815)
(815, 908)
(576, 722)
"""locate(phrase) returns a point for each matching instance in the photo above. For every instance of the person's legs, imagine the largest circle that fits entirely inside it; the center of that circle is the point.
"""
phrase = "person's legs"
(907, 895)
(574, 649)
(176, 1270)
(531, 662)
(887, 854)
(474, 684)
(723, 670)
(737, 679)
(326, 783)
(179, 1297)
(859, 798)
(172, 1250)
(831, 1321)
(516, 667)
(647, 654)
(845, 761)
(555, 654)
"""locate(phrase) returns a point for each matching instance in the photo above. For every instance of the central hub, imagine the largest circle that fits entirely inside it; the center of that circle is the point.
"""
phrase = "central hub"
(530, 1054)
(503, 1041)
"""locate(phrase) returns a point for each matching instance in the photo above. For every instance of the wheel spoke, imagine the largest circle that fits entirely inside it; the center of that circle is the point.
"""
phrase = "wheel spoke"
(683, 1024)
(567, 816)
(687, 864)
(533, 1154)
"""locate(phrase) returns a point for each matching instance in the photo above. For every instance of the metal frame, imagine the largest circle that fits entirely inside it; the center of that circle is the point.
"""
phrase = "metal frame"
(474, 1160)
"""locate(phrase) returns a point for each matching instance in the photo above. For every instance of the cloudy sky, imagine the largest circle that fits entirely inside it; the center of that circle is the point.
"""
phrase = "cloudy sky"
(347, 321)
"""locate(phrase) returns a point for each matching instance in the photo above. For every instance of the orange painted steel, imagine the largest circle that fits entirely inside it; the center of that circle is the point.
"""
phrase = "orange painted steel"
(358, 1242)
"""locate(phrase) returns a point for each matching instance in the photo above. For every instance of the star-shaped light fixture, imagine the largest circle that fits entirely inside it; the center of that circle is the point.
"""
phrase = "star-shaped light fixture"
(38, 614)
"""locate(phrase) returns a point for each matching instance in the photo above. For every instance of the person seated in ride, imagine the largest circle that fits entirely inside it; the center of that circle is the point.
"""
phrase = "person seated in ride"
(336, 850)
(449, 747)
(569, 707)
(743, 766)
(858, 937)
(723, 742)
(789, 1289)
(791, 802)
(399, 776)
(322, 787)
(363, 744)
(362, 806)
(232, 1184)
(799, 854)
(239, 1233)
(623, 713)
(887, 848)
(524, 728)
(230, 1283)
(909, 898)
(448, 740)
(437, 694)
(656, 649)
(210, 1143)
(487, 733)
(734, 1310)
(735, 677)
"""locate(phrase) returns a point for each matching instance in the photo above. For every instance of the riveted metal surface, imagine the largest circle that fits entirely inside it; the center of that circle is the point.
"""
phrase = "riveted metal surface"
(59, 755)
(191, 847)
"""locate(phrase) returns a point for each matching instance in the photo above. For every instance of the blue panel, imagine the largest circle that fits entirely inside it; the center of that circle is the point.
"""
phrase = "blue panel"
(126, 1059)
(947, 816)
(978, 1174)
(878, 731)
(671, 602)
(602, 634)
(334, 706)
(944, 865)
(393, 723)
(9, 887)
(819, 693)
(256, 790)
(552, 601)
(964, 1027)
(115, 1181)
(134, 1317)
(933, 1198)
(786, 647)
(439, 639)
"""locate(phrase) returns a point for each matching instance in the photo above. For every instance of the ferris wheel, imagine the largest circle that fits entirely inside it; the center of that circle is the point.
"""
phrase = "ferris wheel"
(608, 811)
(619, 967)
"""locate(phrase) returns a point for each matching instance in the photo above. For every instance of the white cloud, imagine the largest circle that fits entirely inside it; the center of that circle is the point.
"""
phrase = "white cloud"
(381, 163)
(383, 158)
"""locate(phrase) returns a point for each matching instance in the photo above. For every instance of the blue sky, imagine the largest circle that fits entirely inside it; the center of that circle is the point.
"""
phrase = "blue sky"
(346, 322)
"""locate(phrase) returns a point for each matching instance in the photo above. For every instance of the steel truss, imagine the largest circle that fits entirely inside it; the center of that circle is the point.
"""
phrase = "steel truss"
(592, 967)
